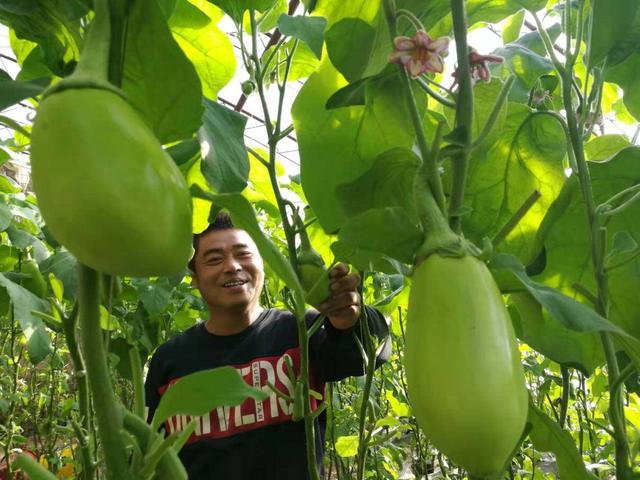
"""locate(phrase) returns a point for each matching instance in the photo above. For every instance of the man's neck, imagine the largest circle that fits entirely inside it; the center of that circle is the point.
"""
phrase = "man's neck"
(232, 321)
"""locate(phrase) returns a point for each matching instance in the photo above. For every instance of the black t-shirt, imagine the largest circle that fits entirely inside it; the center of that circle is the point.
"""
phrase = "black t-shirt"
(256, 440)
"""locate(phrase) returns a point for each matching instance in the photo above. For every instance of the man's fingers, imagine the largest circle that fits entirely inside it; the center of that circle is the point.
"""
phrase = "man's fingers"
(340, 302)
(346, 283)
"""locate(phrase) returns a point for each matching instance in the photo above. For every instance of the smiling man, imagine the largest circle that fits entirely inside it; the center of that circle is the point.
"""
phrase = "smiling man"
(257, 440)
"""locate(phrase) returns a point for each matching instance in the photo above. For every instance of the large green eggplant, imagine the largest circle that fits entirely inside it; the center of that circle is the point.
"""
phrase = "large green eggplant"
(465, 380)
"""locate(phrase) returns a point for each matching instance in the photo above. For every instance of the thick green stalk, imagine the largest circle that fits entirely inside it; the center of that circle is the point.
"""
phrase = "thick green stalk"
(364, 408)
(464, 115)
(596, 240)
(273, 133)
(428, 160)
(108, 415)
(118, 37)
(84, 401)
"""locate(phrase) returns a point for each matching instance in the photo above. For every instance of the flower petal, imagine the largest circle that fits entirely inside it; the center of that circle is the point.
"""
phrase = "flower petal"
(439, 45)
(434, 64)
(415, 68)
(421, 38)
(404, 43)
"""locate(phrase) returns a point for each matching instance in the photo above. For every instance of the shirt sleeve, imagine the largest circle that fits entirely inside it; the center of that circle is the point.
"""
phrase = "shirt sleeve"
(152, 384)
(335, 354)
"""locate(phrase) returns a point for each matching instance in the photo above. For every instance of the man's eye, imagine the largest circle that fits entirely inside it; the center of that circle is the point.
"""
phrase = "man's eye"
(244, 254)
(214, 260)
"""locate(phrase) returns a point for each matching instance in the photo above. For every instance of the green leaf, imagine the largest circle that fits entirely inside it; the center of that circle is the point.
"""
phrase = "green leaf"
(158, 79)
(627, 76)
(388, 183)
(12, 92)
(200, 392)
(244, 217)
(367, 260)
(24, 302)
(236, 8)
(225, 163)
(526, 64)
(354, 48)
(582, 350)
(526, 157)
(5, 217)
(611, 21)
(567, 239)
(19, 238)
(184, 151)
(547, 436)
(337, 146)
(308, 29)
(32, 468)
(205, 45)
(512, 26)
(605, 146)
(533, 40)
(569, 312)
(65, 267)
(388, 230)
(155, 295)
(347, 445)
(352, 94)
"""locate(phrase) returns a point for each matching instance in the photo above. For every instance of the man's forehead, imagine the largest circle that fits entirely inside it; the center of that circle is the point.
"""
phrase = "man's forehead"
(226, 238)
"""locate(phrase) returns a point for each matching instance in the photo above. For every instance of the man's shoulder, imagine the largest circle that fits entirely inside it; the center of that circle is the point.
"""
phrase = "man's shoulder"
(181, 340)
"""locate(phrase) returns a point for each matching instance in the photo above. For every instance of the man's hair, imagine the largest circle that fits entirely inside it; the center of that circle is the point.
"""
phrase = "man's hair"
(221, 222)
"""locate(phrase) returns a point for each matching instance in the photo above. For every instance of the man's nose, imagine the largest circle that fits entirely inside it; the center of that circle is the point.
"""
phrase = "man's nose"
(231, 264)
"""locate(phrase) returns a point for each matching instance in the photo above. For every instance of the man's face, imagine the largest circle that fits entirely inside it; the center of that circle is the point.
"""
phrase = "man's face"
(228, 269)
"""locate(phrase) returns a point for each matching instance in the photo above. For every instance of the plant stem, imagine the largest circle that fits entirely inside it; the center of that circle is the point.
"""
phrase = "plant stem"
(118, 17)
(428, 160)
(435, 95)
(273, 133)
(597, 235)
(497, 107)
(138, 382)
(464, 115)
(515, 219)
(370, 368)
(108, 415)
(84, 401)
(566, 388)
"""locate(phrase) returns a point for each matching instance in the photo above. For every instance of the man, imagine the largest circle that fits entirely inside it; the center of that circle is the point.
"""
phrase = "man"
(257, 440)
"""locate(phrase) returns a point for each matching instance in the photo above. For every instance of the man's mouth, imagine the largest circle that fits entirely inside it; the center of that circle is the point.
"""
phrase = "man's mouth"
(234, 283)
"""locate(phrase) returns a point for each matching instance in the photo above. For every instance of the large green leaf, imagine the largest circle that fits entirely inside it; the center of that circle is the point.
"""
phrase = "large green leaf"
(387, 231)
(492, 11)
(225, 164)
(389, 183)
(12, 92)
(527, 157)
(547, 436)
(205, 45)
(308, 29)
(158, 78)
(53, 29)
(526, 64)
(236, 8)
(533, 326)
(567, 241)
(65, 267)
(567, 311)
(627, 75)
(200, 392)
(337, 146)
(610, 24)
(25, 302)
